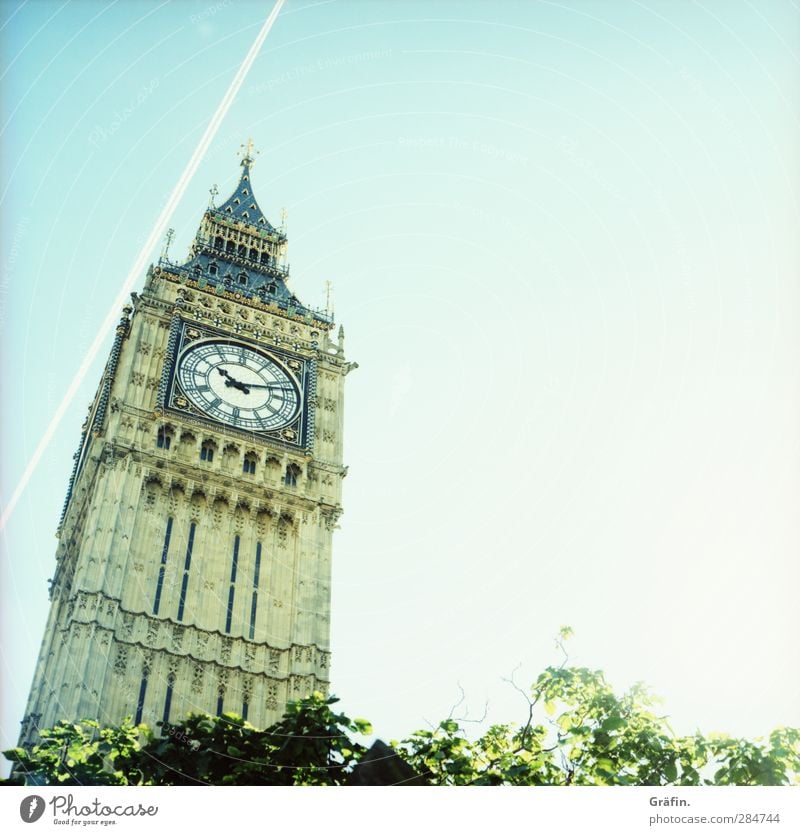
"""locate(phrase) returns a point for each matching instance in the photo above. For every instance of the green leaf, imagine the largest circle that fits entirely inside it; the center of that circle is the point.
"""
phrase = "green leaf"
(364, 726)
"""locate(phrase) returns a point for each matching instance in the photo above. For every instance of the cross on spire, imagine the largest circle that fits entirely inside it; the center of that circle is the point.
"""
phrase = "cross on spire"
(247, 153)
(167, 241)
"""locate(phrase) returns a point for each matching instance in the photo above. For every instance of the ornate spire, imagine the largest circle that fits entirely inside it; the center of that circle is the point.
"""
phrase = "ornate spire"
(242, 205)
(237, 249)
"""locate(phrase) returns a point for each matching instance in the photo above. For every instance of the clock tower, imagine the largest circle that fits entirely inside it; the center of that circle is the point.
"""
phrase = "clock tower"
(194, 551)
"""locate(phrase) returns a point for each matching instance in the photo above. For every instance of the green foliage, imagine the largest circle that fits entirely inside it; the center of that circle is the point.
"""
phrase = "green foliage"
(311, 745)
(84, 754)
(745, 763)
(579, 732)
(586, 735)
(576, 731)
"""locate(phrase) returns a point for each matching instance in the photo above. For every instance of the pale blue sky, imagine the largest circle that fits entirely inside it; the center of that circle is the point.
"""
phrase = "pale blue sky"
(563, 243)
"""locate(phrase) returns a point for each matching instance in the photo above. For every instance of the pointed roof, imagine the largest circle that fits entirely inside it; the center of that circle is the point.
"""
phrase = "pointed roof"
(242, 204)
(237, 249)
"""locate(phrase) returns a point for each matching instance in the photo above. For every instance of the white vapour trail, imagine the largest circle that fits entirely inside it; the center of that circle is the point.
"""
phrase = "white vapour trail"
(141, 259)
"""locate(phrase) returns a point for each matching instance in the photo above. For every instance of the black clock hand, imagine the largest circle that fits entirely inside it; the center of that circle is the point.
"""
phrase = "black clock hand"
(231, 382)
(284, 386)
(237, 385)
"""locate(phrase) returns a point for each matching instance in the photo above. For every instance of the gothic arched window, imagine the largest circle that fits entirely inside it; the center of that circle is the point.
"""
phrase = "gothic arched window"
(219, 243)
(242, 251)
(164, 438)
(249, 466)
(290, 479)
(212, 269)
(207, 451)
(230, 247)
(243, 278)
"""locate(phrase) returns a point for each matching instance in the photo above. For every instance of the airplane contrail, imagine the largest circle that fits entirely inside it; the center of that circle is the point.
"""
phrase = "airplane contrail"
(141, 260)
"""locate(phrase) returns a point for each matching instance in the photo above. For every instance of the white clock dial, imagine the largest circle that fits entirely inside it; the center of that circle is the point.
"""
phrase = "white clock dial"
(237, 385)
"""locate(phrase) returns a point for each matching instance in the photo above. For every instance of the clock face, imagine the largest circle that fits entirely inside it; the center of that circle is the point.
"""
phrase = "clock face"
(239, 386)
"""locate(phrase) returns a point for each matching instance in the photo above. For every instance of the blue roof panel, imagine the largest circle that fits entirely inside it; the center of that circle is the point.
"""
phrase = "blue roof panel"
(242, 204)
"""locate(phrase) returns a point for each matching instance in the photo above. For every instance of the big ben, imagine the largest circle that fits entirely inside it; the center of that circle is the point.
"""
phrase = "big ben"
(193, 562)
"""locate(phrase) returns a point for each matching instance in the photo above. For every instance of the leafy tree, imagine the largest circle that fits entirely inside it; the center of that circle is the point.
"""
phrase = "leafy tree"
(309, 746)
(576, 731)
(83, 754)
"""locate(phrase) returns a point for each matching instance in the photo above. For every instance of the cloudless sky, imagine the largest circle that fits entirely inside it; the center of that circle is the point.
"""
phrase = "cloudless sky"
(562, 238)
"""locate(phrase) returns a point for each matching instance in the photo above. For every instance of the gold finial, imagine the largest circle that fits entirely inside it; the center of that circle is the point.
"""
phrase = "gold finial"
(247, 152)
(167, 241)
(284, 218)
(213, 192)
(328, 289)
